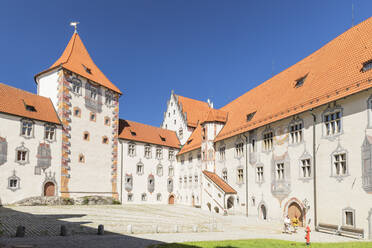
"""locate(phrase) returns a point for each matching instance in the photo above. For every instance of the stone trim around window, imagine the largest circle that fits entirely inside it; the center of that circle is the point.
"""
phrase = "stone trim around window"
(140, 168)
(305, 155)
(159, 170)
(327, 111)
(257, 170)
(76, 85)
(296, 136)
(24, 131)
(106, 121)
(352, 211)
(238, 180)
(281, 187)
(22, 148)
(131, 149)
(76, 112)
(239, 148)
(50, 132)
(337, 151)
(267, 138)
(14, 186)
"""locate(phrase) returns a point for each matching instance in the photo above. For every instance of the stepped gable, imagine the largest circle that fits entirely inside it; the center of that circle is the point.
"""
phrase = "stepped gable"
(21, 103)
(135, 131)
(76, 58)
(194, 109)
(219, 182)
(331, 73)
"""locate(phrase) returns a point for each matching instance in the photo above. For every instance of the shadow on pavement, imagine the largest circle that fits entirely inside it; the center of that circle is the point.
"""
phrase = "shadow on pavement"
(44, 231)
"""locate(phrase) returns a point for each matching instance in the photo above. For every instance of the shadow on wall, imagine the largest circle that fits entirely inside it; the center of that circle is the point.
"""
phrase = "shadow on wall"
(45, 231)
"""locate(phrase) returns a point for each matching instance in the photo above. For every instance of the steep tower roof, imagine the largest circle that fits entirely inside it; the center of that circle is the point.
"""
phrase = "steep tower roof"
(76, 58)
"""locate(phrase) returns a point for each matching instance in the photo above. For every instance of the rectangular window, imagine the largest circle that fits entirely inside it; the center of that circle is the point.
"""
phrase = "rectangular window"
(159, 153)
(340, 164)
(305, 168)
(279, 171)
(27, 128)
(190, 180)
(240, 176)
(259, 171)
(21, 156)
(131, 149)
(130, 197)
(139, 169)
(268, 141)
(13, 183)
(196, 179)
(76, 86)
(93, 92)
(49, 132)
(295, 133)
(182, 159)
(190, 159)
(239, 148)
(332, 122)
(147, 151)
(180, 133)
(170, 171)
(108, 98)
(222, 153)
(349, 218)
(224, 175)
(170, 154)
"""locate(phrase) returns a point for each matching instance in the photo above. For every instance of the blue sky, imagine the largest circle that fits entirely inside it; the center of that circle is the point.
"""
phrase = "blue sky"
(216, 49)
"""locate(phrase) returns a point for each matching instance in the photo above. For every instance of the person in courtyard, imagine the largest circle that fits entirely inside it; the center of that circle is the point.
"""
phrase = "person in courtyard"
(287, 224)
(307, 231)
(295, 223)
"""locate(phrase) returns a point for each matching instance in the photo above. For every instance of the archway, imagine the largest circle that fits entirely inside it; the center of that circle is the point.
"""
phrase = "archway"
(193, 200)
(49, 189)
(263, 212)
(294, 210)
(230, 202)
(171, 200)
(216, 209)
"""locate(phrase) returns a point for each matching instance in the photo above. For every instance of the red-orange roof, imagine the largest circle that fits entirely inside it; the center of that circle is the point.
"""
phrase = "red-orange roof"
(76, 58)
(215, 115)
(194, 109)
(219, 182)
(13, 101)
(332, 72)
(135, 131)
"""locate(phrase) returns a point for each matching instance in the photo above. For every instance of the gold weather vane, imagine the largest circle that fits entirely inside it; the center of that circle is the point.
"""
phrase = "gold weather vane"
(74, 24)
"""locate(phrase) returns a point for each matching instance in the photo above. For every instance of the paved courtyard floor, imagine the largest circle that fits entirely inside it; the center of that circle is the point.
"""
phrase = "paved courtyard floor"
(149, 224)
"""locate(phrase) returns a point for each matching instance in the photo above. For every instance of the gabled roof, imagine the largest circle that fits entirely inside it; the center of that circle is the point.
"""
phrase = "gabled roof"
(130, 130)
(219, 182)
(215, 115)
(76, 58)
(14, 101)
(193, 142)
(332, 72)
(194, 109)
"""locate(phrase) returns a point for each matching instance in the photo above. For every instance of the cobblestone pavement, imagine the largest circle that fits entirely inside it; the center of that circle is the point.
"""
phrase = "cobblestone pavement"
(43, 224)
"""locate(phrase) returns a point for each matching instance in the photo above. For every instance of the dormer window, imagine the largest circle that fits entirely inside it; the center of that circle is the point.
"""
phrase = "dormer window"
(30, 108)
(88, 70)
(133, 133)
(367, 66)
(250, 116)
(300, 81)
(162, 138)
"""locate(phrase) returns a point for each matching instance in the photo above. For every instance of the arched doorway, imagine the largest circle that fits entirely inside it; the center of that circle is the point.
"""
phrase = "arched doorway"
(49, 189)
(216, 209)
(209, 206)
(294, 210)
(230, 202)
(171, 200)
(193, 200)
(263, 212)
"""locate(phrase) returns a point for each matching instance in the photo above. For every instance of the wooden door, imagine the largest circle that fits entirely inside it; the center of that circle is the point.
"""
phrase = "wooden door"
(193, 201)
(49, 189)
(294, 210)
(171, 200)
(263, 212)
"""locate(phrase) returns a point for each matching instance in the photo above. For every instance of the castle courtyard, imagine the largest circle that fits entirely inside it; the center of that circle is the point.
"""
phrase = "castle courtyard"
(149, 224)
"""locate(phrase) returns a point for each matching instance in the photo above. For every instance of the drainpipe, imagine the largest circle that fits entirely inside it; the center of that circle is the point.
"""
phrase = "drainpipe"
(121, 176)
(246, 175)
(314, 171)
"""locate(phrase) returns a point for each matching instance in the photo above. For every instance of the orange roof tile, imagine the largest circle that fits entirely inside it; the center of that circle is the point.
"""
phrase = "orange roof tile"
(76, 58)
(219, 182)
(13, 101)
(193, 142)
(194, 109)
(333, 72)
(135, 131)
(215, 115)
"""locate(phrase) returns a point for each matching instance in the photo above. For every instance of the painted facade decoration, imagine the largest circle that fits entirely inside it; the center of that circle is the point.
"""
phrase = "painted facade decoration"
(3, 150)
(44, 158)
(367, 164)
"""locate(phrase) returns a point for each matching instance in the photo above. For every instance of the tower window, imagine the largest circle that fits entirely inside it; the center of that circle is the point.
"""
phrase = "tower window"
(86, 136)
(77, 112)
(93, 116)
(81, 158)
(300, 81)
(107, 121)
(250, 116)
(104, 140)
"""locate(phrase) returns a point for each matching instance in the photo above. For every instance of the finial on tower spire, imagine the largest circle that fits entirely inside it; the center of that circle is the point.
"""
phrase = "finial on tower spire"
(74, 24)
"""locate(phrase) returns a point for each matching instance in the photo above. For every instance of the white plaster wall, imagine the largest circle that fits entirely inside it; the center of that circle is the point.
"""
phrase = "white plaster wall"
(150, 164)
(30, 184)
(174, 113)
(47, 85)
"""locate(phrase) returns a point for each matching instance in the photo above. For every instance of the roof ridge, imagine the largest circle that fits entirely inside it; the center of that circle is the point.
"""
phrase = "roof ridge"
(72, 48)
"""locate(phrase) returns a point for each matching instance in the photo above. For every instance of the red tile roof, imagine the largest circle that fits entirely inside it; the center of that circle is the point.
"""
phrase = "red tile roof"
(332, 72)
(13, 101)
(219, 182)
(135, 131)
(214, 115)
(76, 58)
(194, 109)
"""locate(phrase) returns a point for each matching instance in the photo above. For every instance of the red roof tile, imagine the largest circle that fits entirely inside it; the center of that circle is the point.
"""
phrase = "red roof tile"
(13, 101)
(76, 58)
(194, 109)
(135, 131)
(219, 182)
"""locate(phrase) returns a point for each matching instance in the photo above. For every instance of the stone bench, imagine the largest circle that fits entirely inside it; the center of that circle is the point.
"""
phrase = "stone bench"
(351, 232)
(328, 228)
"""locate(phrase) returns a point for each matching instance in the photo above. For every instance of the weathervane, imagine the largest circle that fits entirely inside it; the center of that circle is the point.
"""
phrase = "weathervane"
(74, 24)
